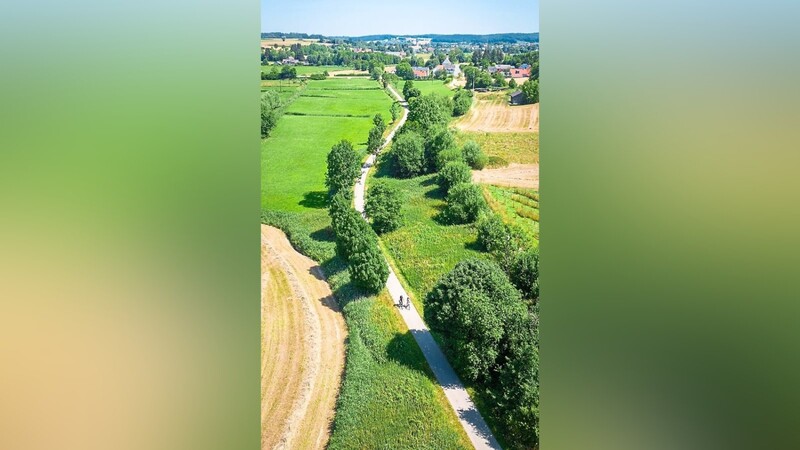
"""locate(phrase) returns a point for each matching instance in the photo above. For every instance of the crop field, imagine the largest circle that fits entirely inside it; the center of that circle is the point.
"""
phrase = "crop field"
(516, 206)
(293, 158)
(491, 112)
(504, 148)
(427, 87)
(423, 249)
(388, 398)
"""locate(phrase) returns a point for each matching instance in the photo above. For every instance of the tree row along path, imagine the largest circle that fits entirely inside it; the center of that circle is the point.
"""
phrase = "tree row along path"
(476, 428)
(302, 353)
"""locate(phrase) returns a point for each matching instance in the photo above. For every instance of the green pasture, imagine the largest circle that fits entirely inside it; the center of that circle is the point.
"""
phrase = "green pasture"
(364, 103)
(427, 87)
(344, 83)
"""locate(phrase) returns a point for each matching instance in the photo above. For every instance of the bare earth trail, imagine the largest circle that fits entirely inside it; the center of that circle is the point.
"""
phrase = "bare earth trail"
(468, 415)
(303, 340)
(515, 175)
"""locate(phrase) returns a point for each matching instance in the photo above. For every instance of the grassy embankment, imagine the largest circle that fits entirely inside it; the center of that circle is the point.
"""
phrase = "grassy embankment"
(388, 398)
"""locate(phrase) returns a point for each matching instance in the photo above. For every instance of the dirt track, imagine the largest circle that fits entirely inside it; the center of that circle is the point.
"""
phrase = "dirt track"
(491, 113)
(515, 175)
(302, 353)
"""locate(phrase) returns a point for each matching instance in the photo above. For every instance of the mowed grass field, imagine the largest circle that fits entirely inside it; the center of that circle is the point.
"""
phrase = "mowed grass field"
(388, 399)
(424, 249)
(427, 87)
(285, 90)
(294, 157)
(504, 148)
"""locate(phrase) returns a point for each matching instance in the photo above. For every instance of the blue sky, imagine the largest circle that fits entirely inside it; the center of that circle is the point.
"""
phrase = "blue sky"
(359, 17)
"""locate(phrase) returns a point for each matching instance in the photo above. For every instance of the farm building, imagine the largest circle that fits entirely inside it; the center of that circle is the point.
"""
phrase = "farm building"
(517, 98)
(520, 73)
(421, 72)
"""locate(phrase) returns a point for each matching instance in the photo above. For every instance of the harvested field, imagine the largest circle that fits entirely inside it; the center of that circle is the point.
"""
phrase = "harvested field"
(491, 112)
(302, 353)
(288, 42)
(515, 175)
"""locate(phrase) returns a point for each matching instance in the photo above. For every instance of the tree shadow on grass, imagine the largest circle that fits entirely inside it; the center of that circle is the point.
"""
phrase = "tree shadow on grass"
(404, 350)
(314, 199)
(323, 235)
(474, 245)
(384, 167)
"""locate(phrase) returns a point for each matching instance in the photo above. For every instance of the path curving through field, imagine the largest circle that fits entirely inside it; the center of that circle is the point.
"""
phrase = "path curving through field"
(302, 353)
(468, 415)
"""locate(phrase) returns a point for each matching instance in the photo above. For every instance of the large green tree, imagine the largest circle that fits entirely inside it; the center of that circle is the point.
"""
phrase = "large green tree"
(408, 152)
(454, 173)
(344, 168)
(383, 206)
(404, 71)
(465, 203)
(530, 89)
(270, 111)
(429, 111)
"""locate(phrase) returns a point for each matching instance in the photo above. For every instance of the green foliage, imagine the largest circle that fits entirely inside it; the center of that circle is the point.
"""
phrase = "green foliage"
(288, 73)
(368, 268)
(404, 71)
(462, 100)
(524, 273)
(430, 111)
(379, 122)
(395, 111)
(470, 307)
(492, 339)
(375, 139)
(464, 203)
(439, 139)
(318, 76)
(408, 152)
(448, 155)
(454, 173)
(477, 78)
(344, 167)
(346, 224)
(270, 111)
(493, 234)
(383, 207)
(473, 155)
(530, 89)
(410, 91)
(499, 80)
(512, 84)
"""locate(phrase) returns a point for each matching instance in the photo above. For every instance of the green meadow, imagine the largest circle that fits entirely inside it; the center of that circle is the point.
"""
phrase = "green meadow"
(427, 87)
(504, 148)
(516, 206)
(388, 398)
(424, 249)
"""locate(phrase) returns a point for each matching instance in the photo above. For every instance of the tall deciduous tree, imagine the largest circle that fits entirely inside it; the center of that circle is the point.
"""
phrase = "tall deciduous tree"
(383, 207)
(344, 168)
(408, 152)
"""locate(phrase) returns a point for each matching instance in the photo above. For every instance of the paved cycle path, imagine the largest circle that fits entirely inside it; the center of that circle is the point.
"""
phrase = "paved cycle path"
(476, 428)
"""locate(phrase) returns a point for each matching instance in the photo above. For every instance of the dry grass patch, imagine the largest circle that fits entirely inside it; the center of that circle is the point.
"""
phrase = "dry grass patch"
(505, 148)
(491, 112)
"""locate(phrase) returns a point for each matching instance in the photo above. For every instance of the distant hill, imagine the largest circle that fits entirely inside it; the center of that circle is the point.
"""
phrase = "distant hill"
(471, 38)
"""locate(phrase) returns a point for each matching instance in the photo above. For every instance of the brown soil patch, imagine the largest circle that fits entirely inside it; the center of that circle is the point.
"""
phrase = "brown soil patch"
(515, 175)
(490, 112)
(302, 353)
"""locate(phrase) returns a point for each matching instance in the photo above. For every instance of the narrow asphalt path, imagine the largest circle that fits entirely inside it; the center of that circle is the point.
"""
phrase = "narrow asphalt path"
(476, 428)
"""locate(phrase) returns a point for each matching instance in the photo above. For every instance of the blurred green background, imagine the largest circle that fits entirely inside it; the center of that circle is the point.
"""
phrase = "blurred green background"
(129, 179)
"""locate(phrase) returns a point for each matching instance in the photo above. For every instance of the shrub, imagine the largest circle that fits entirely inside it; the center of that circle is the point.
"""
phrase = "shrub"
(408, 151)
(453, 173)
(462, 101)
(439, 139)
(367, 267)
(524, 273)
(474, 156)
(493, 235)
(465, 202)
(531, 90)
(395, 111)
(448, 155)
(383, 207)
(344, 168)
(470, 307)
